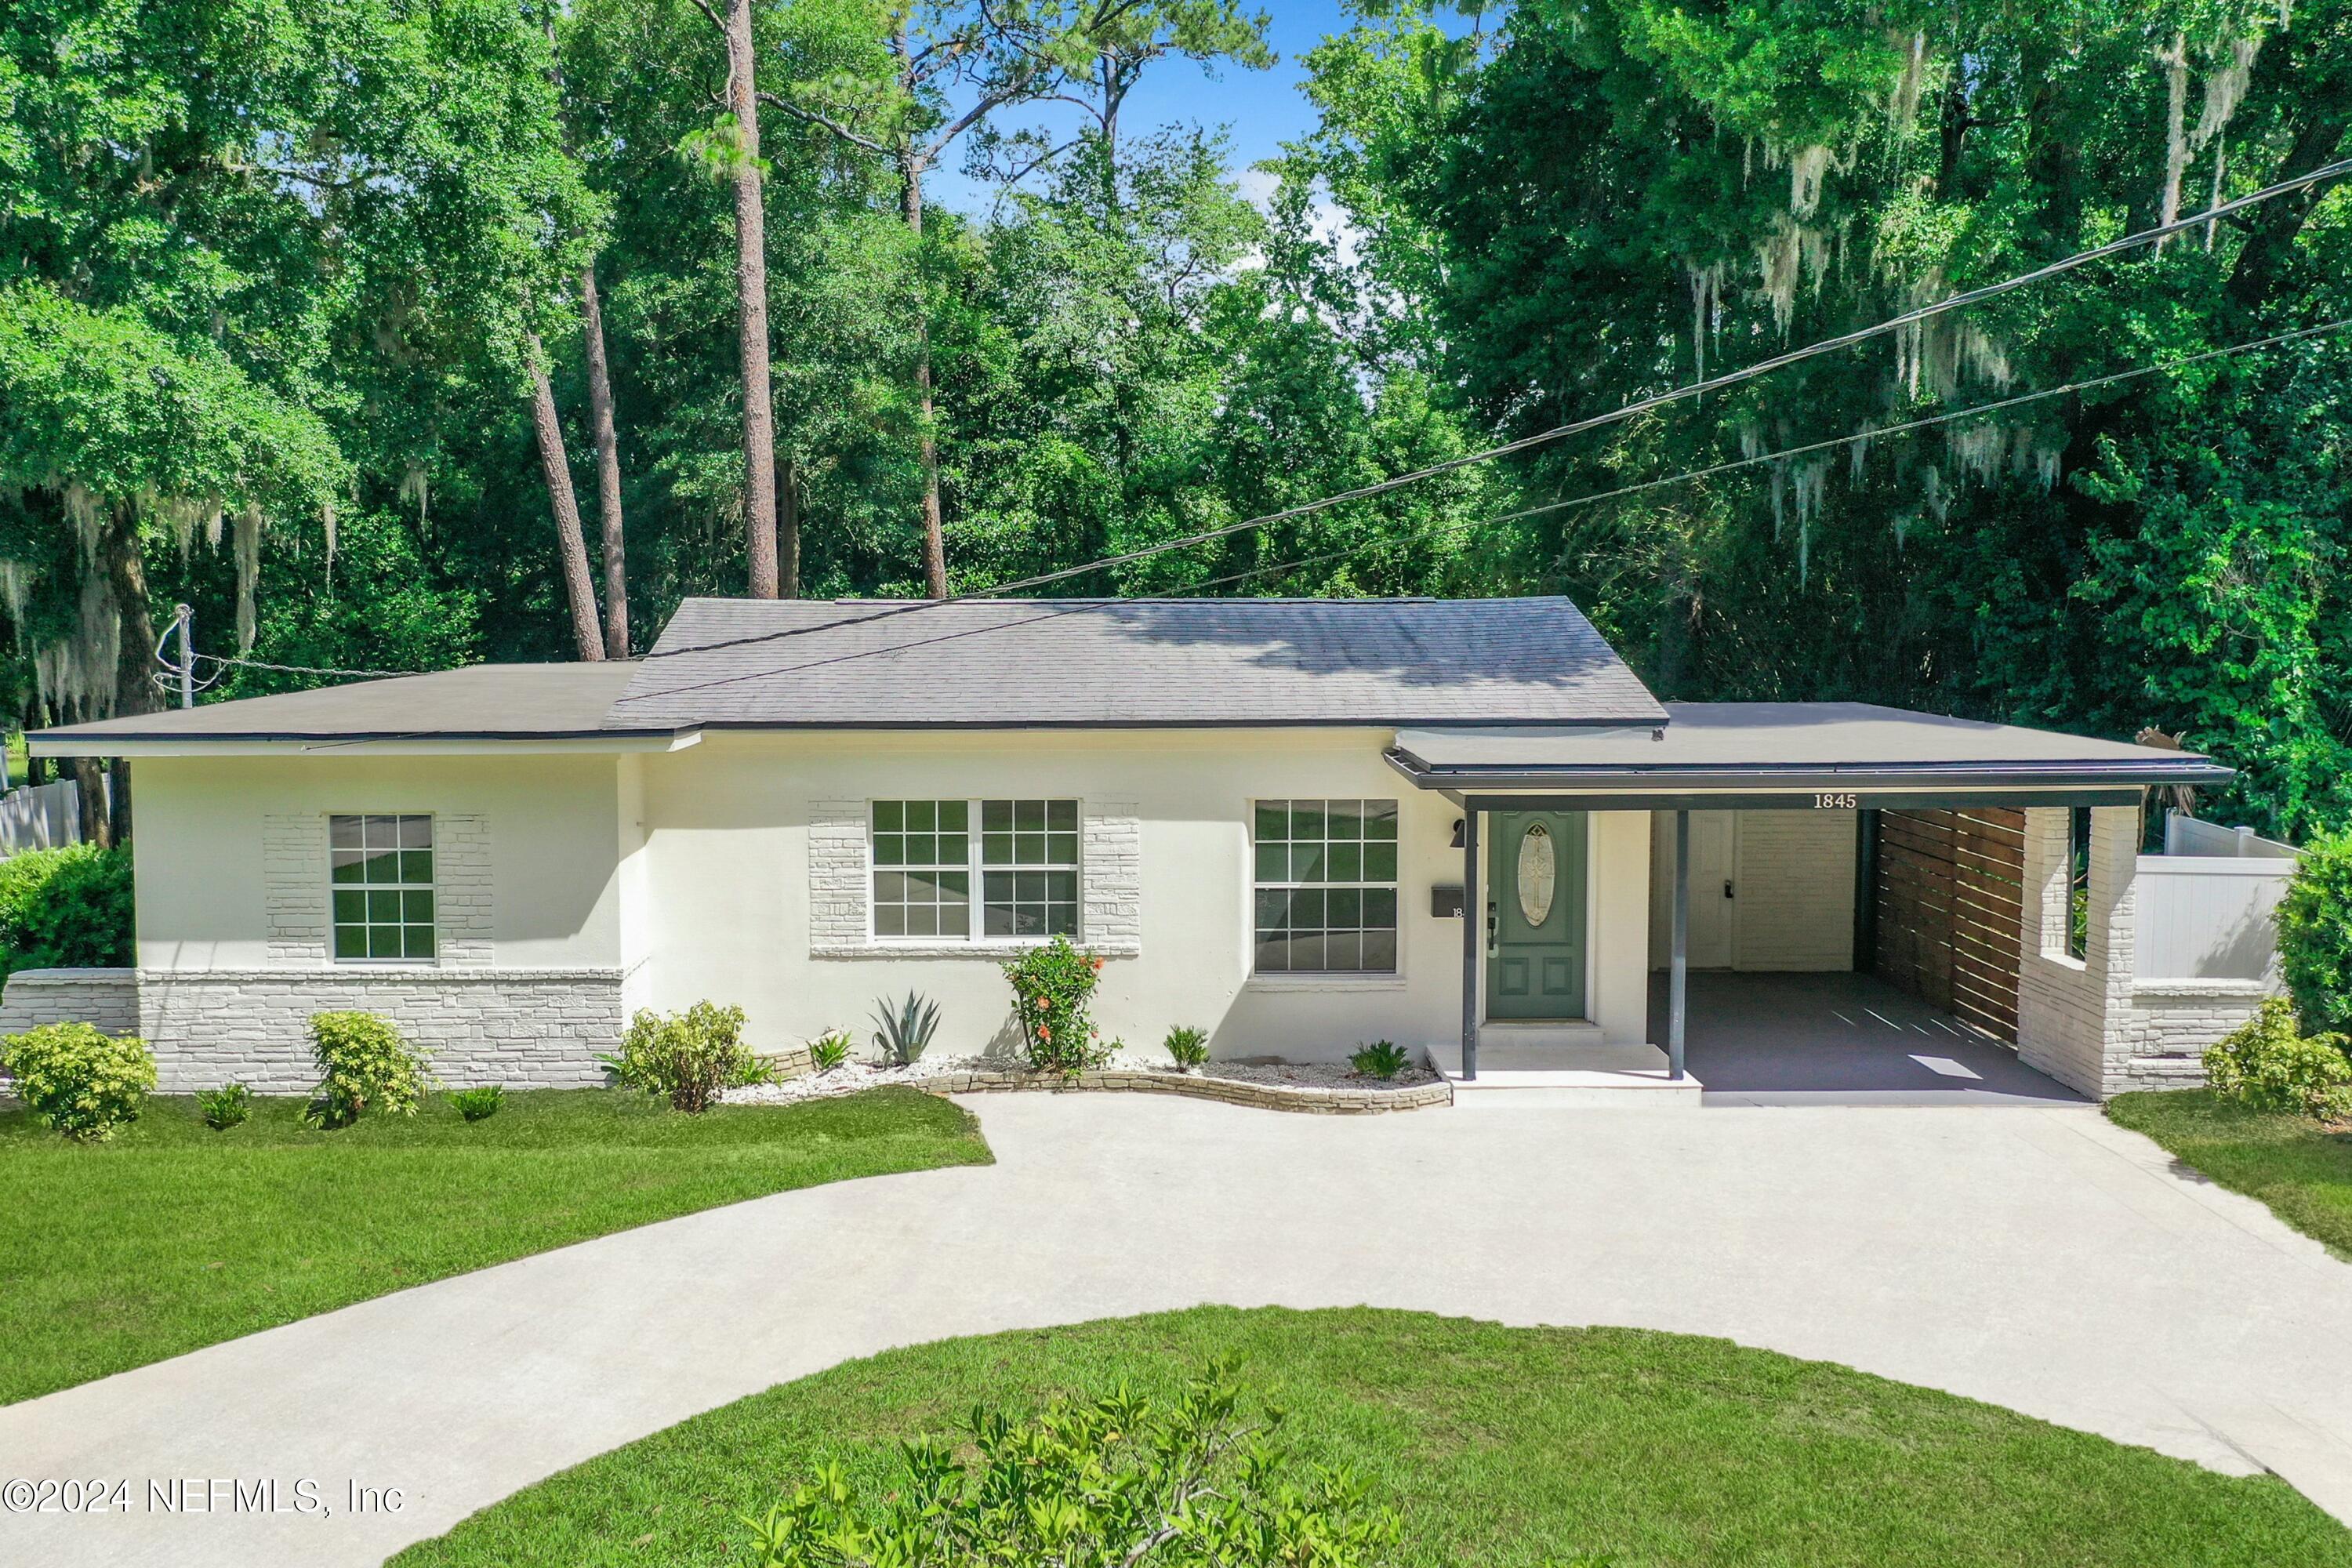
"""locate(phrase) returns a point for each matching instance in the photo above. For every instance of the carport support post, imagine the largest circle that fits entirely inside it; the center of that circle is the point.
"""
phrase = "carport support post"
(1678, 979)
(1472, 928)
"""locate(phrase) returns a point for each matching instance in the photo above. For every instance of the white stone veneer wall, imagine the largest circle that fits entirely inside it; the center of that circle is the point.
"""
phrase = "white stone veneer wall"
(106, 997)
(2091, 1023)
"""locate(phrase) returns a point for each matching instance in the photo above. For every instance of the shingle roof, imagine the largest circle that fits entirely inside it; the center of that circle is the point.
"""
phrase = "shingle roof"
(1021, 662)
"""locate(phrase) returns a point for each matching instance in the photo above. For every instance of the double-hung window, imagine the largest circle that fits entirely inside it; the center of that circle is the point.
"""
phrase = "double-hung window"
(928, 863)
(1326, 887)
(380, 874)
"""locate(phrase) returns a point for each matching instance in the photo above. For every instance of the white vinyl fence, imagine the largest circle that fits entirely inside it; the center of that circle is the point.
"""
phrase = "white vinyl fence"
(40, 817)
(2208, 906)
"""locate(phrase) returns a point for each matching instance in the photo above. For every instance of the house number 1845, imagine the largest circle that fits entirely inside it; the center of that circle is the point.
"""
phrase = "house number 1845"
(1841, 802)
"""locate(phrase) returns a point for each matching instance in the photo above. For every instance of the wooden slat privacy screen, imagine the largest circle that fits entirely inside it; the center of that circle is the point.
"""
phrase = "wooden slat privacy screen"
(1951, 895)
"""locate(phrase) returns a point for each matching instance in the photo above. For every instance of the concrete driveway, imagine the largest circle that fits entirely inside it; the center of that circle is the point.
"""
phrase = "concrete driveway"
(2036, 1258)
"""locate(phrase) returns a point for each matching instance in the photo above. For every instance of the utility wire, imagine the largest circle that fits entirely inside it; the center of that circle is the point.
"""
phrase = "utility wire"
(1624, 412)
(1087, 606)
(298, 668)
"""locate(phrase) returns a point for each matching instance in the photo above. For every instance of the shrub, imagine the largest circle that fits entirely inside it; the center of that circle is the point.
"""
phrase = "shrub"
(687, 1057)
(2266, 1064)
(66, 908)
(905, 1032)
(1051, 988)
(479, 1104)
(1381, 1059)
(1188, 1048)
(79, 1078)
(829, 1051)
(1116, 1479)
(366, 1066)
(2314, 934)
(225, 1107)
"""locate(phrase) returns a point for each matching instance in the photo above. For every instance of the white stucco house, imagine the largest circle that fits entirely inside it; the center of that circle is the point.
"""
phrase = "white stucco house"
(1267, 816)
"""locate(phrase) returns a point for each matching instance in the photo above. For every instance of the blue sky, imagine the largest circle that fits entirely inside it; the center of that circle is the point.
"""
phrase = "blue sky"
(1261, 110)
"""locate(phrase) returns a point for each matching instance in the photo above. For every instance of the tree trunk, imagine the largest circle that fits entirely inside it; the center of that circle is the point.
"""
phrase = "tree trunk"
(2175, 62)
(571, 549)
(752, 308)
(608, 470)
(935, 549)
(134, 665)
(787, 527)
(2273, 227)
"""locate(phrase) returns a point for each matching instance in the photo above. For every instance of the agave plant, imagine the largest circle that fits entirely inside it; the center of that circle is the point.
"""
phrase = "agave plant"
(903, 1029)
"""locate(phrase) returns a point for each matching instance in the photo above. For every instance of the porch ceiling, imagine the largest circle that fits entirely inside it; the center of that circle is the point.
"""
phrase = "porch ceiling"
(1751, 749)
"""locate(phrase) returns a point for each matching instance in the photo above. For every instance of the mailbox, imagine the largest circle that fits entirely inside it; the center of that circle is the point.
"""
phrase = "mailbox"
(1445, 901)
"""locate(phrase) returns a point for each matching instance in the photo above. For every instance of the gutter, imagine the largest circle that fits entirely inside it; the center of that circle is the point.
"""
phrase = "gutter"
(390, 742)
(1603, 779)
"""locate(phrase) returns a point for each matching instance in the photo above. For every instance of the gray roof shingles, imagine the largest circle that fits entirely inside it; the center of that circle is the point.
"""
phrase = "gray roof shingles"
(1144, 662)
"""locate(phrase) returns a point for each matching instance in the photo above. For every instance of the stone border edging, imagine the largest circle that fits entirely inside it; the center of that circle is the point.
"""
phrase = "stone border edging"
(1323, 1102)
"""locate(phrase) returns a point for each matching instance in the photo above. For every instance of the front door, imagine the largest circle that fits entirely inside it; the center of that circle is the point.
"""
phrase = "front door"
(1535, 915)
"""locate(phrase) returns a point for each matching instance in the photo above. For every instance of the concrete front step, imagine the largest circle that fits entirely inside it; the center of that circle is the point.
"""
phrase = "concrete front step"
(1517, 1075)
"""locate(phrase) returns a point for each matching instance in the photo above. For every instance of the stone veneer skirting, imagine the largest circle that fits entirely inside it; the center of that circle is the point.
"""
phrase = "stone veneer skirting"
(524, 1027)
(1332, 1101)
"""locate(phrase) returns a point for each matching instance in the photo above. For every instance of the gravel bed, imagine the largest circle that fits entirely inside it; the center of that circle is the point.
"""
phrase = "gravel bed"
(850, 1077)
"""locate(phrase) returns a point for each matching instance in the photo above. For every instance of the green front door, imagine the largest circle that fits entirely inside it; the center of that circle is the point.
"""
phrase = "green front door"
(1535, 915)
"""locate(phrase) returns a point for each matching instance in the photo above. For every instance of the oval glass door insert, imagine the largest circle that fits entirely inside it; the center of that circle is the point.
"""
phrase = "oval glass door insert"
(1539, 872)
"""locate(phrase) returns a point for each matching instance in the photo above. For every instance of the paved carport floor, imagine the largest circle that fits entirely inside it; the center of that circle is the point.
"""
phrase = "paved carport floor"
(2039, 1258)
(1840, 1039)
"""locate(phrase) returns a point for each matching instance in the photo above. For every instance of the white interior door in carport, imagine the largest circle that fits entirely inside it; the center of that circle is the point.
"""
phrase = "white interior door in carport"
(1713, 906)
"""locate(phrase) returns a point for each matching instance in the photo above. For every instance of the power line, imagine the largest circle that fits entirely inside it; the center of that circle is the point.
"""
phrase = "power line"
(300, 668)
(1626, 410)
(1910, 425)
(1092, 605)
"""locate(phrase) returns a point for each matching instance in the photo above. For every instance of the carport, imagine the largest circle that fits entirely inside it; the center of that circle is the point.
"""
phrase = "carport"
(1891, 881)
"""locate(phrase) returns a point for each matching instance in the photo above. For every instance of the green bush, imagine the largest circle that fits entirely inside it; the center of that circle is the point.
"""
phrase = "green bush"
(1188, 1048)
(225, 1107)
(2314, 934)
(1052, 986)
(1114, 1480)
(2267, 1064)
(687, 1057)
(66, 909)
(1381, 1059)
(479, 1104)
(79, 1078)
(365, 1066)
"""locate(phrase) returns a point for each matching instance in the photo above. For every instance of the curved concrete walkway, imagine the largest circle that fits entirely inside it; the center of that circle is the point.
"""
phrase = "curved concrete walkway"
(2040, 1258)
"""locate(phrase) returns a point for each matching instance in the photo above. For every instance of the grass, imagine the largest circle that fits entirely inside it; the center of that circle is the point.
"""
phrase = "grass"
(2291, 1162)
(173, 1236)
(1502, 1448)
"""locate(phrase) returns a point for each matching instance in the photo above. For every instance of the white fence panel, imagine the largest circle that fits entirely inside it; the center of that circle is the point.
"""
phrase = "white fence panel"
(2186, 835)
(40, 817)
(2209, 917)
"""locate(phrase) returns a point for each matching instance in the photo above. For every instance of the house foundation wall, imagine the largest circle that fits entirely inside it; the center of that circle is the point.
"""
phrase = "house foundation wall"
(525, 1029)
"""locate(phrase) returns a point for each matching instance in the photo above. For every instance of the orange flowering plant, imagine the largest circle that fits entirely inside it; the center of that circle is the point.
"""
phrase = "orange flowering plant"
(1052, 986)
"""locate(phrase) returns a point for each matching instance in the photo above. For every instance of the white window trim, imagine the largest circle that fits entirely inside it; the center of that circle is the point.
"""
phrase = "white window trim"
(1253, 978)
(440, 935)
(977, 943)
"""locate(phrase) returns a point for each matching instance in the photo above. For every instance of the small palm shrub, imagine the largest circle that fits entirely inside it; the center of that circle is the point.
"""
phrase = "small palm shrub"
(1188, 1482)
(366, 1066)
(1381, 1059)
(66, 908)
(687, 1057)
(1051, 987)
(78, 1079)
(2267, 1064)
(829, 1051)
(225, 1107)
(1188, 1048)
(904, 1030)
(2314, 934)
(479, 1104)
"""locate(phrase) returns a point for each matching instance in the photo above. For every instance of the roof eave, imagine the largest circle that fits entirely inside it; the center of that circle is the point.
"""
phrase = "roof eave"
(65, 743)
(1604, 778)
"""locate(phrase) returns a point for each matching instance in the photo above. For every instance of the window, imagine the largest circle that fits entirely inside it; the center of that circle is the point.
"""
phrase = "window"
(2078, 881)
(1326, 885)
(380, 874)
(927, 858)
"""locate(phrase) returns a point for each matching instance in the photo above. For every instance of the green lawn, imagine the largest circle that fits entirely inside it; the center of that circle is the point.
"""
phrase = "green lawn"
(174, 1237)
(2291, 1162)
(1502, 1447)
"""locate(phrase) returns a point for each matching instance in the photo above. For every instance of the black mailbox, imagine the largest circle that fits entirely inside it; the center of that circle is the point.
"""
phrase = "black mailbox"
(1445, 902)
